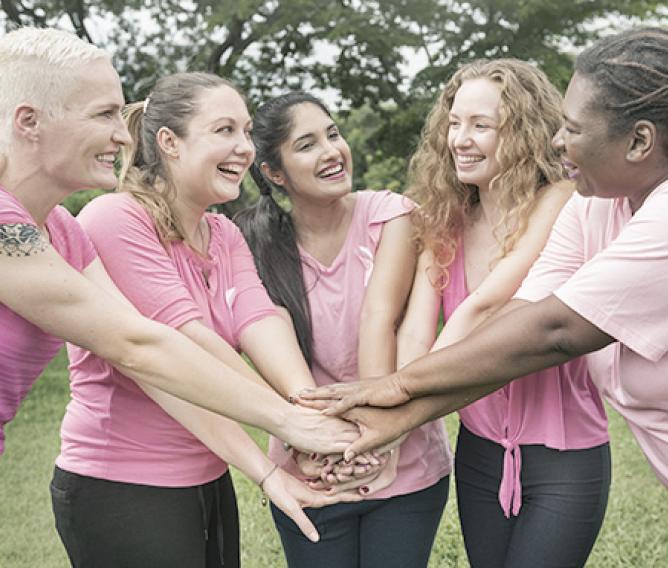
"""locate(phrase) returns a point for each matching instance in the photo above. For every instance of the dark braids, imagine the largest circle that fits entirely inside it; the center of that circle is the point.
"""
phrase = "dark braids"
(630, 72)
(268, 228)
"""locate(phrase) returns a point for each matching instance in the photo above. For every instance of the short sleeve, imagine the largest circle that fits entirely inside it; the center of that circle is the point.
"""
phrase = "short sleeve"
(562, 256)
(11, 211)
(128, 245)
(251, 301)
(385, 205)
(622, 290)
(69, 239)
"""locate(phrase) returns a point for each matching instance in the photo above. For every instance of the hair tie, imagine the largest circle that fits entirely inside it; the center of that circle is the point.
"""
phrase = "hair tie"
(146, 103)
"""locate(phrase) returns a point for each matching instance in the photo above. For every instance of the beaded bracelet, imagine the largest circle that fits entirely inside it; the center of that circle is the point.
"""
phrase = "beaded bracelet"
(261, 484)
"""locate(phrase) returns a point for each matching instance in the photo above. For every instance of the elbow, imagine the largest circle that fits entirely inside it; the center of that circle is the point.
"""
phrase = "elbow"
(563, 338)
(135, 348)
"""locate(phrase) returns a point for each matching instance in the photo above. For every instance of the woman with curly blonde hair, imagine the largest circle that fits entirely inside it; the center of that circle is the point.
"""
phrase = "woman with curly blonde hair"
(532, 463)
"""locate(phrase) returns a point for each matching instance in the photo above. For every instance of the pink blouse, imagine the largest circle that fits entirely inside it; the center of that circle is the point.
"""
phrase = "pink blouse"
(336, 294)
(111, 429)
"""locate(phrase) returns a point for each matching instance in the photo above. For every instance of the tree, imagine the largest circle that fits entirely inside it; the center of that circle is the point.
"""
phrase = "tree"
(356, 49)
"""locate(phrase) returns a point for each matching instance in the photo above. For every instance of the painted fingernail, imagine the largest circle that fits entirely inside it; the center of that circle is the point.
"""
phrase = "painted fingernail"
(314, 455)
(364, 489)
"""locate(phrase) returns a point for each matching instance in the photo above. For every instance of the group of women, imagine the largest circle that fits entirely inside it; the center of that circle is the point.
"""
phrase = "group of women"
(344, 287)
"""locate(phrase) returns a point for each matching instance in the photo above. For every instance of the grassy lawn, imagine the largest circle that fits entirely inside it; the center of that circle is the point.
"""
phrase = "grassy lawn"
(635, 533)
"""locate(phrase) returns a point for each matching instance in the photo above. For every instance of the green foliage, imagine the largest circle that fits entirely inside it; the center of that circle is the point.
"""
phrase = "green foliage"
(358, 50)
(75, 202)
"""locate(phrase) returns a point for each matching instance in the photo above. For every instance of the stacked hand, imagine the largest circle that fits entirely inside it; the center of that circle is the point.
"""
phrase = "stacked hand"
(367, 473)
(369, 404)
(337, 398)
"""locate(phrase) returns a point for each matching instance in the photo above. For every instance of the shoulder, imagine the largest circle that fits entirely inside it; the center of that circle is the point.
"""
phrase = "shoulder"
(383, 205)
(112, 209)
(224, 229)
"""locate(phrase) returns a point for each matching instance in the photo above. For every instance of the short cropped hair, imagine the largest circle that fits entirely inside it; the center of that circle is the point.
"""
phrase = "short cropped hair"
(36, 66)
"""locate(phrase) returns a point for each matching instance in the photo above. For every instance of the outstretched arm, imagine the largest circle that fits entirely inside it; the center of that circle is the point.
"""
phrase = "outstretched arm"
(385, 299)
(529, 338)
(505, 278)
(41, 287)
(417, 332)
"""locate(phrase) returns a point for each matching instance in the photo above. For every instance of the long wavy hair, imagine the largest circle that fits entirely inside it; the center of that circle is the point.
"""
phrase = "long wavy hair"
(144, 173)
(530, 115)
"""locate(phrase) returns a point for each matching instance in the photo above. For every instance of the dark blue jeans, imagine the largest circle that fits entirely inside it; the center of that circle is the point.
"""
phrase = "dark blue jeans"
(564, 497)
(107, 524)
(378, 533)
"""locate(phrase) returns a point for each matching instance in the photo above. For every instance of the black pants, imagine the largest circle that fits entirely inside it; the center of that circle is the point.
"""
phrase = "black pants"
(564, 497)
(107, 524)
(378, 533)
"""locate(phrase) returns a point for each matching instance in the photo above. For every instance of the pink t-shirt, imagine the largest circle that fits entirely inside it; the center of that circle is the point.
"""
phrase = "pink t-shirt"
(611, 267)
(336, 293)
(559, 407)
(25, 350)
(111, 429)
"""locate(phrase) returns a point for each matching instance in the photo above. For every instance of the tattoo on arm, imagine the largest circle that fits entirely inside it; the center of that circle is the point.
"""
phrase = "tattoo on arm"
(21, 239)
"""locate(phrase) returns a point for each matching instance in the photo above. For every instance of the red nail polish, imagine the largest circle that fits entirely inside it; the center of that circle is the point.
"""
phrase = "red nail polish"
(364, 489)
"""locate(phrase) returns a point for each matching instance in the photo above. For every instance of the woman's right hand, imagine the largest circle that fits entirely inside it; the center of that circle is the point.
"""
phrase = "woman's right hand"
(310, 431)
(291, 495)
(337, 398)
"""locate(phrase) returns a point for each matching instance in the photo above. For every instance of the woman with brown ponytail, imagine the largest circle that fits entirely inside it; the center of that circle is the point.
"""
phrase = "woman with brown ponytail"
(142, 478)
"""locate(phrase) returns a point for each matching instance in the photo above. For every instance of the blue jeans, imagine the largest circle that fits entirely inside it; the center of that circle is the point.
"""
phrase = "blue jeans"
(107, 524)
(376, 533)
(564, 497)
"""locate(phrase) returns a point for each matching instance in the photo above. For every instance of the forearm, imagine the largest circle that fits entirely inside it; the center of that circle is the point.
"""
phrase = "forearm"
(525, 340)
(427, 408)
(272, 346)
(223, 437)
(467, 317)
(377, 347)
(166, 359)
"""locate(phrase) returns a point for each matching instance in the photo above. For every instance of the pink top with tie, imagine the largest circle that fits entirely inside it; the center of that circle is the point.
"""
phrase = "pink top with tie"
(559, 407)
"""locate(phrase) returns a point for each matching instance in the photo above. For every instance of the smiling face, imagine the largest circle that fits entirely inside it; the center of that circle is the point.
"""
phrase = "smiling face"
(316, 162)
(77, 148)
(473, 131)
(591, 158)
(212, 158)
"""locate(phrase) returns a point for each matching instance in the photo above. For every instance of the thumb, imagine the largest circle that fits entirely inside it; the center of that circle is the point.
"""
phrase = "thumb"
(363, 444)
(343, 405)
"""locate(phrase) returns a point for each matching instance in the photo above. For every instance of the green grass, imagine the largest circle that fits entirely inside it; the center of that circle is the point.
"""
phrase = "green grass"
(635, 532)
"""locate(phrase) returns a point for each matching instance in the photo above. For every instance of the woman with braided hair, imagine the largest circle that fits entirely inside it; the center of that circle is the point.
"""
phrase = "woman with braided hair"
(341, 264)
(599, 286)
